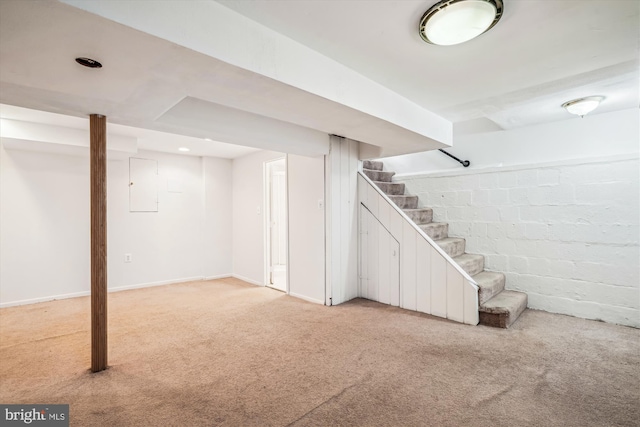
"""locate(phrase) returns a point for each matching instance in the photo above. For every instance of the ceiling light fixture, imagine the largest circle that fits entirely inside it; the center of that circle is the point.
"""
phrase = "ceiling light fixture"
(450, 22)
(88, 62)
(185, 149)
(208, 139)
(583, 106)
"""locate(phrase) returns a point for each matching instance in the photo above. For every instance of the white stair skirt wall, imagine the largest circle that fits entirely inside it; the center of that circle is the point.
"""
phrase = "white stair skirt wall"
(429, 280)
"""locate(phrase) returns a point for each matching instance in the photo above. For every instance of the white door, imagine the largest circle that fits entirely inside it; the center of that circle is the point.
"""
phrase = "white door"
(379, 261)
(276, 221)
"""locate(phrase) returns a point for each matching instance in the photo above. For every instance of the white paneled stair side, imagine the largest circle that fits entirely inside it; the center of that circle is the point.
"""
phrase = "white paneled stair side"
(400, 264)
(495, 306)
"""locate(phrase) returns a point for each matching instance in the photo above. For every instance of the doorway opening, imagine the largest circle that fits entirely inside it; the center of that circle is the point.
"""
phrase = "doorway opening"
(276, 224)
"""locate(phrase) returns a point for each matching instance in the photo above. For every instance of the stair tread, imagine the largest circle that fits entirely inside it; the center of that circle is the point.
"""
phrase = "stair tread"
(448, 239)
(467, 257)
(453, 246)
(471, 263)
(505, 302)
(433, 224)
(488, 279)
(372, 165)
(417, 210)
(379, 176)
(490, 283)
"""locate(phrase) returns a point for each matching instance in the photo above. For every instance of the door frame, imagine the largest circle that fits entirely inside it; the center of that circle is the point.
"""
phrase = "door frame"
(267, 219)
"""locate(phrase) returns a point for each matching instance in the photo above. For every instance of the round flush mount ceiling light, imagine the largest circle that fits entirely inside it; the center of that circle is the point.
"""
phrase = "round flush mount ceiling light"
(88, 62)
(450, 22)
(583, 106)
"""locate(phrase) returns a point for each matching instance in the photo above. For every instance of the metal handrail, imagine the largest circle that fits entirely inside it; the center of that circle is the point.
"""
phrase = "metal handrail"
(464, 163)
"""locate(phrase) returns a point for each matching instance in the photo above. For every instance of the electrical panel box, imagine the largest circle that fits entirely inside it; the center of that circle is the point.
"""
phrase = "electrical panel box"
(143, 185)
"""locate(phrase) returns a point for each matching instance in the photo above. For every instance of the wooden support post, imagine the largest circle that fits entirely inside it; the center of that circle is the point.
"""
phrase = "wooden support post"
(98, 160)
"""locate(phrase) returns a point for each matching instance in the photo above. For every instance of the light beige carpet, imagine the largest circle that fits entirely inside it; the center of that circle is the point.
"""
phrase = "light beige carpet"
(227, 353)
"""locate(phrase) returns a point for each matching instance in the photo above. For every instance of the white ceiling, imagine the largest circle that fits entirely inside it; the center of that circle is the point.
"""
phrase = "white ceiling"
(539, 55)
(147, 139)
(542, 53)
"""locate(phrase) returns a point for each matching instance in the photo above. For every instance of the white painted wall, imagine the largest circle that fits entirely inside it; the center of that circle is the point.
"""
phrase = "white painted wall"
(218, 215)
(566, 233)
(600, 135)
(248, 215)
(45, 233)
(305, 177)
(44, 225)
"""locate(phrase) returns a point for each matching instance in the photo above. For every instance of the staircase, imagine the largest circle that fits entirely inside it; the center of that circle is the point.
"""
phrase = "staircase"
(498, 307)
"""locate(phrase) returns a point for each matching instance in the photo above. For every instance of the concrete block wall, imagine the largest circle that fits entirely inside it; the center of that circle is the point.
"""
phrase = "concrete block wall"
(565, 233)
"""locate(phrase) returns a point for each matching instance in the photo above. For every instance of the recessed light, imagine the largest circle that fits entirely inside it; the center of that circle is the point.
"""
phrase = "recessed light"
(583, 106)
(88, 62)
(208, 139)
(185, 149)
(450, 22)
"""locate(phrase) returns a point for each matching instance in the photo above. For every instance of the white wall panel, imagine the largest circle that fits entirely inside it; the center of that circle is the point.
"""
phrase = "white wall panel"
(423, 276)
(394, 274)
(455, 294)
(471, 315)
(342, 221)
(384, 260)
(408, 267)
(438, 286)
(363, 283)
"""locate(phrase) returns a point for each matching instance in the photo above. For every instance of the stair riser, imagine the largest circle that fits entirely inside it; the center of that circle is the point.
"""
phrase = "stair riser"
(474, 266)
(405, 202)
(436, 231)
(391, 189)
(369, 164)
(453, 249)
(502, 320)
(422, 216)
(379, 175)
(485, 293)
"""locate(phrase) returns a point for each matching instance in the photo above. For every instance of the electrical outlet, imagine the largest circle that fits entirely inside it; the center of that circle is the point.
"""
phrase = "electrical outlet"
(127, 258)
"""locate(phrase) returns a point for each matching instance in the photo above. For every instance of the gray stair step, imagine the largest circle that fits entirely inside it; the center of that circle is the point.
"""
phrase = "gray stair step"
(490, 283)
(373, 165)
(453, 246)
(436, 230)
(420, 216)
(405, 202)
(391, 188)
(471, 263)
(381, 176)
(503, 309)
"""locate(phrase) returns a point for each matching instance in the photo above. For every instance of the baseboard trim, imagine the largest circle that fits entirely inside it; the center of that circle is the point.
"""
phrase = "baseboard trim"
(152, 284)
(313, 300)
(113, 289)
(44, 299)
(246, 279)
(219, 276)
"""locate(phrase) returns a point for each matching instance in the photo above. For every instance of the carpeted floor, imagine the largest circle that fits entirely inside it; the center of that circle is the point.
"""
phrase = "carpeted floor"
(227, 353)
